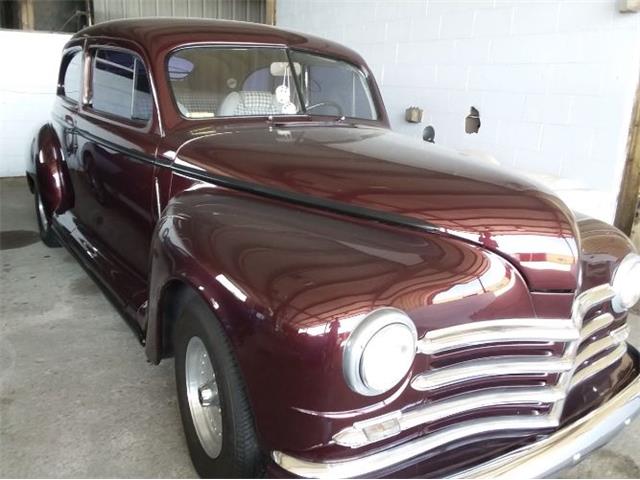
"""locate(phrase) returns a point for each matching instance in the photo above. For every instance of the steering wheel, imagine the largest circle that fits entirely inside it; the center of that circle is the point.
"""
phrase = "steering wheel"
(327, 103)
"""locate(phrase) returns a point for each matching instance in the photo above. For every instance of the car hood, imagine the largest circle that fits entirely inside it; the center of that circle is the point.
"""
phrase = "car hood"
(391, 174)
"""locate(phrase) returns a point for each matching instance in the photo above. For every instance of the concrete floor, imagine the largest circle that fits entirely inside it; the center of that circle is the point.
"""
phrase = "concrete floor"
(77, 397)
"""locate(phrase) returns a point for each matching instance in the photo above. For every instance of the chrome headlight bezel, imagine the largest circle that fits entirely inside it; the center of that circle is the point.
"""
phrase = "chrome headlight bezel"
(370, 326)
(626, 276)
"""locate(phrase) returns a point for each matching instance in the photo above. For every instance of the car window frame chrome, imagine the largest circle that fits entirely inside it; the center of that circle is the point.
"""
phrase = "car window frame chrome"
(91, 52)
(365, 72)
(60, 88)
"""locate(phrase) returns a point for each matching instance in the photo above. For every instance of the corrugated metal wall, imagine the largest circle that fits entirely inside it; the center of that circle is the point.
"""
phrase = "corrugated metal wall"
(247, 10)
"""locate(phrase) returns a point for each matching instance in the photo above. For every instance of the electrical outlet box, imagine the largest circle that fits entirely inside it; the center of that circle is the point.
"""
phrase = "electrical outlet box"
(413, 115)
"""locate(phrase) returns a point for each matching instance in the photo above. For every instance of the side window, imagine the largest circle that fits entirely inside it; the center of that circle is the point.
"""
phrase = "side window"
(72, 76)
(121, 85)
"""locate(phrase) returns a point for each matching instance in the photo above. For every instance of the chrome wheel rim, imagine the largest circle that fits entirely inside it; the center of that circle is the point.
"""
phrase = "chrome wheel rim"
(202, 394)
(41, 214)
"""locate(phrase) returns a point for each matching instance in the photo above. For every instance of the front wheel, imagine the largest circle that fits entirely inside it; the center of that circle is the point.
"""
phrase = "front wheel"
(216, 416)
(47, 235)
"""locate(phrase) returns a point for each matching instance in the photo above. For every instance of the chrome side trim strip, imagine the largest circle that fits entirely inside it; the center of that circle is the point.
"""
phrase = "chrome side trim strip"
(490, 367)
(539, 459)
(384, 426)
(598, 365)
(492, 331)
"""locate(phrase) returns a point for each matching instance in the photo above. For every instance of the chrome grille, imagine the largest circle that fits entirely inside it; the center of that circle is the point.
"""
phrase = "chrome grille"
(589, 345)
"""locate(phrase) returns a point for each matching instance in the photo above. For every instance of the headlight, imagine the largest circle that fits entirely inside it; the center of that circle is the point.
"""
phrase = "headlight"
(379, 352)
(626, 283)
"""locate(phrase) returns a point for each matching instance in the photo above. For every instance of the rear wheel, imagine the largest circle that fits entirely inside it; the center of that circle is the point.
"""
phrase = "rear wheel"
(44, 224)
(215, 412)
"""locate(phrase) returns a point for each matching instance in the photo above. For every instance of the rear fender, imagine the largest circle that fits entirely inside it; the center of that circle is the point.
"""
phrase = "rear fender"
(51, 173)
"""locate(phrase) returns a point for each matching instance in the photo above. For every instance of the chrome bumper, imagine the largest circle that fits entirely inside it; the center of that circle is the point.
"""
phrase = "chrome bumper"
(561, 449)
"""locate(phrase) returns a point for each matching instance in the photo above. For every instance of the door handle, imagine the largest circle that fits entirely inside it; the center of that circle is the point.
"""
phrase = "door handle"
(70, 141)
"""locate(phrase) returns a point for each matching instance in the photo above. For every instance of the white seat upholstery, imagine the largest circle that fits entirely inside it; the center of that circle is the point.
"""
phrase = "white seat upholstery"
(229, 105)
(249, 103)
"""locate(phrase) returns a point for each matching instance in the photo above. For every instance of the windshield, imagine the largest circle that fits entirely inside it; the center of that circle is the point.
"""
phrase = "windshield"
(213, 81)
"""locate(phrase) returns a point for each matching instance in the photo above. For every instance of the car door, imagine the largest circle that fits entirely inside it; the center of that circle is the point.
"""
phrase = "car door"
(117, 134)
(65, 110)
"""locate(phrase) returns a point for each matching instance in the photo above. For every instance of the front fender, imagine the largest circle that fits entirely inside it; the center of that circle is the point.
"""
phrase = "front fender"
(289, 284)
(51, 172)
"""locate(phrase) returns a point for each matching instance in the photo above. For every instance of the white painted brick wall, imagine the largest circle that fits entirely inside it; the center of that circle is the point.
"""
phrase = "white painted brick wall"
(29, 73)
(554, 80)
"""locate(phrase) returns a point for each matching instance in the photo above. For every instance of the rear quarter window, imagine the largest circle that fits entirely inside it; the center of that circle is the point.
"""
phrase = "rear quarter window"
(71, 76)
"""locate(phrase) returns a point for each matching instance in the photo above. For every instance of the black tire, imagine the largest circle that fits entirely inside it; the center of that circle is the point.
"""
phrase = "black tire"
(240, 456)
(47, 235)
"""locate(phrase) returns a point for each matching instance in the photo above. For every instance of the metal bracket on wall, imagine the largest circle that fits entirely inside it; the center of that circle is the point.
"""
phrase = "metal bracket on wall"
(629, 6)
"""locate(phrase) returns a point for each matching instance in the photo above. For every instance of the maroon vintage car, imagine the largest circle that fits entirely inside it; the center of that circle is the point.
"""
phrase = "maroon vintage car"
(340, 300)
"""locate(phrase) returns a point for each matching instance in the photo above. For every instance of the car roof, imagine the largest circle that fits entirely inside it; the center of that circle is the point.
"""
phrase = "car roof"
(170, 32)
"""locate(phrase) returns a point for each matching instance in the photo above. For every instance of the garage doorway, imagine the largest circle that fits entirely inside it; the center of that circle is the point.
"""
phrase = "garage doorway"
(245, 10)
(628, 213)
